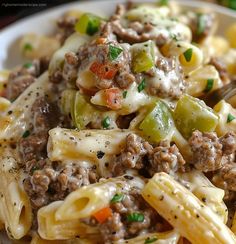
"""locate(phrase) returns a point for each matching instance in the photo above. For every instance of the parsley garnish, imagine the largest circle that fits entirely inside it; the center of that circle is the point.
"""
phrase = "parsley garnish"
(201, 24)
(142, 85)
(34, 168)
(26, 134)
(106, 122)
(125, 94)
(150, 240)
(27, 65)
(164, 2)
(93, 24)
(117, 198)
(28, 47)
(230, 118)
(209, 85)
(135, 217)
(114, 52)
(188, 54)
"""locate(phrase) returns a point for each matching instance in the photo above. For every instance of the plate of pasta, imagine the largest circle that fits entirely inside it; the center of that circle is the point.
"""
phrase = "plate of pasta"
(108, 130)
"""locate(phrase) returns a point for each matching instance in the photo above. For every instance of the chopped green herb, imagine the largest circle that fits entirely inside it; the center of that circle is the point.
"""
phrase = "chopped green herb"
(174, 37)
(142, 85)
(150, 240)
(209, 85)
(26, 134)
(135, 217)
(114, 52)
(164, 2)
(125, 94)
(230, 118)
(27, 65)
(232, 4)
(27, 47)
(188, 54)
(117, 198)
(201, 24)
(106, 122)
(34, 168)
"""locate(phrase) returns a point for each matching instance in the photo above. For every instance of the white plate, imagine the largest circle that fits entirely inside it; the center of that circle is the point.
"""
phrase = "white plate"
(44, 23)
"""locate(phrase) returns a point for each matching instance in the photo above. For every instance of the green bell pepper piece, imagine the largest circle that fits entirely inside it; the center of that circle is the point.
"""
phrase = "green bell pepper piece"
(143, 56)
(193, 114)
(67, 100)
(88, 24)
(158, 124)
(82, 112)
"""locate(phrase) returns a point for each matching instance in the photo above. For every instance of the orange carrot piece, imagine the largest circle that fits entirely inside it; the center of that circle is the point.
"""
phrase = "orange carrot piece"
(102, 215)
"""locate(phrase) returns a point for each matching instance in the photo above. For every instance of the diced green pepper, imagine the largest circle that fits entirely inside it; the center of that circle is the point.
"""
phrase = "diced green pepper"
(83, 112)
(193, 114)
(67, 101)
(158, 124)
(143, 56)
(88, 24)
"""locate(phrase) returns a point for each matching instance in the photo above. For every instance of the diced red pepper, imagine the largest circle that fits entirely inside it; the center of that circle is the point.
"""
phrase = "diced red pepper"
(103, 71)
(113, 98)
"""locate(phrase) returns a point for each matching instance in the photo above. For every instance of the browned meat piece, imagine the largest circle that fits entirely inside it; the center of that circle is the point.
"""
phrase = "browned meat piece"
(136, 32)
(33, 146)
(201, 25)
(119, 225)
(131, 157)
(108, 72)
(165, 158)
(45, 115)
(112, 229)
(226, 177)
(66, 25)
(18, 81)
(210, 153)
(228, 142)
(22, 77)
(52, 183)
(221, 68)
(173, 86)
(207, 151)
(70, 67)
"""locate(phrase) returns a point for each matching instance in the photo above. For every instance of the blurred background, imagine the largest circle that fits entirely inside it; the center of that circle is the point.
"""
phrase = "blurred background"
(12, 10)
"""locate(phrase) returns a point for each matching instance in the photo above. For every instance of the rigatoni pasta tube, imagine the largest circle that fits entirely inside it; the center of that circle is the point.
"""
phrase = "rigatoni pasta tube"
(194, 220)
(87, 200)
(13, 124)
(204, 190)
(64, 144)
(190, 56)
(170, 237)
(52, 229)
(15, 205)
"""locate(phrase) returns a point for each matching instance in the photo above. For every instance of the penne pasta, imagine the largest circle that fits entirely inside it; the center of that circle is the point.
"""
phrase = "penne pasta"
(203, 80)
(190, 56)
(87, 200)
(205, 191)
(194, 220)
(71, 144)
(169, 237)
(16, 119)
(225, 124)
(14, 202)
(51, 228)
